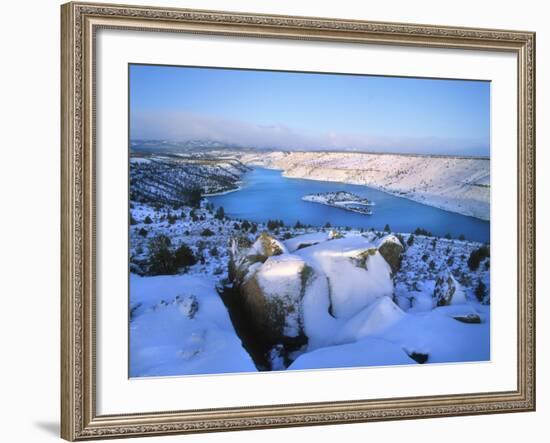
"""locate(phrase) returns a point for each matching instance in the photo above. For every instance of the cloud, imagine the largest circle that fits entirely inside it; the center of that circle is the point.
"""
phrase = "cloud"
(184, 126)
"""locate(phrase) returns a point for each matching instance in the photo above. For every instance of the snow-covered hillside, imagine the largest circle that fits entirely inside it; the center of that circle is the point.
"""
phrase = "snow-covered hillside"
(455, 184)
(171, 178)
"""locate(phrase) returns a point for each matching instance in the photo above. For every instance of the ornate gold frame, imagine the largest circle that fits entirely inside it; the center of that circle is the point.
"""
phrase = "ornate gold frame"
(80, 21)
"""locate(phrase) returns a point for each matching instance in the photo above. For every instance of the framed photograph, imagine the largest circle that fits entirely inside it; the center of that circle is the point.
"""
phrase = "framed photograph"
(282, 221)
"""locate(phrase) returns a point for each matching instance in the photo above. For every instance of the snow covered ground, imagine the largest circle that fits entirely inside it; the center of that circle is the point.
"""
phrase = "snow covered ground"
(455, 184)
(179, 325)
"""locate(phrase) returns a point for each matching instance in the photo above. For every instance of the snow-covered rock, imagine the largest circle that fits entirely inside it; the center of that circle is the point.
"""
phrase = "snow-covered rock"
(355, 271)
(273, 297)
(447, 290)
(305, 240)
(315, 290)
(266, 246)
(243, 255)
(391, 249)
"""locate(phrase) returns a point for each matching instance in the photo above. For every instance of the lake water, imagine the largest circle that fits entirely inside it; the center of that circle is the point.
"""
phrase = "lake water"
(266, 194)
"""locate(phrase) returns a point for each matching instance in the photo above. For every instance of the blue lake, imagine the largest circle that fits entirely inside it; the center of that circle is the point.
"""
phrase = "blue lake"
(266, 194)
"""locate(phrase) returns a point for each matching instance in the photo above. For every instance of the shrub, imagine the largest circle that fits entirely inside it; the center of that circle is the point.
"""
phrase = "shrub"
(448, 236)
(425, 257)
(272, 224)
(161, 258)
(254, 228)
(461, 237)
(480, 291)
(410, 240)
(298, 225)
(287, 236)
(245, 225)
(147, 220)
(214, 252)
(184, 256)
(132, 220)
(387, 228)
(477, 256)
(207, 232)
(421, 231)
(431, 265)
(450, 261)
(171, 219)
(143, 232)
(328, 225)
(401, 239)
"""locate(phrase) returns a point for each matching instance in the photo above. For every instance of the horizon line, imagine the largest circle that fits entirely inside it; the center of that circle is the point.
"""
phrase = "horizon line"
(318, 151)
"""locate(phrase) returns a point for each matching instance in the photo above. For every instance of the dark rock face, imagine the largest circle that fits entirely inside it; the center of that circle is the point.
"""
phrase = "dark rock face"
(469, 318)
(391, 249)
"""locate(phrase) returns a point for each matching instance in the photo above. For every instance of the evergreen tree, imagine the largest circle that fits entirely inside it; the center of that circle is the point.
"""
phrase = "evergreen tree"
(220, 213)
(161, 258)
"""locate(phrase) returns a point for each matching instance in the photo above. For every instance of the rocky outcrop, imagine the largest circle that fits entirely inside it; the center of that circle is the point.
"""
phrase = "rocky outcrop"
(271, 284)
(339, 278)
(391, 249)
(273, 296)
(447, 290)
(244, 254)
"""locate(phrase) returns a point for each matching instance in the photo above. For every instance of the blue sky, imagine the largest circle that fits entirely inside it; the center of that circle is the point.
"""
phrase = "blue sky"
(310, 111)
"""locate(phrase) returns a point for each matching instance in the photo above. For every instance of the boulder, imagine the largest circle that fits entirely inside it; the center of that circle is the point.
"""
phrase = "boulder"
(356, 273)
(244, 254)
(391, 249)
(272, 295)
(468, 318)
(447, 290)
(267, 246)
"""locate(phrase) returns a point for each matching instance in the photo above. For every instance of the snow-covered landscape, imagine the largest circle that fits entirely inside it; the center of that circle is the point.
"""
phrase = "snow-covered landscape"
(210, 293)
(284, 221)
(456, 184)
